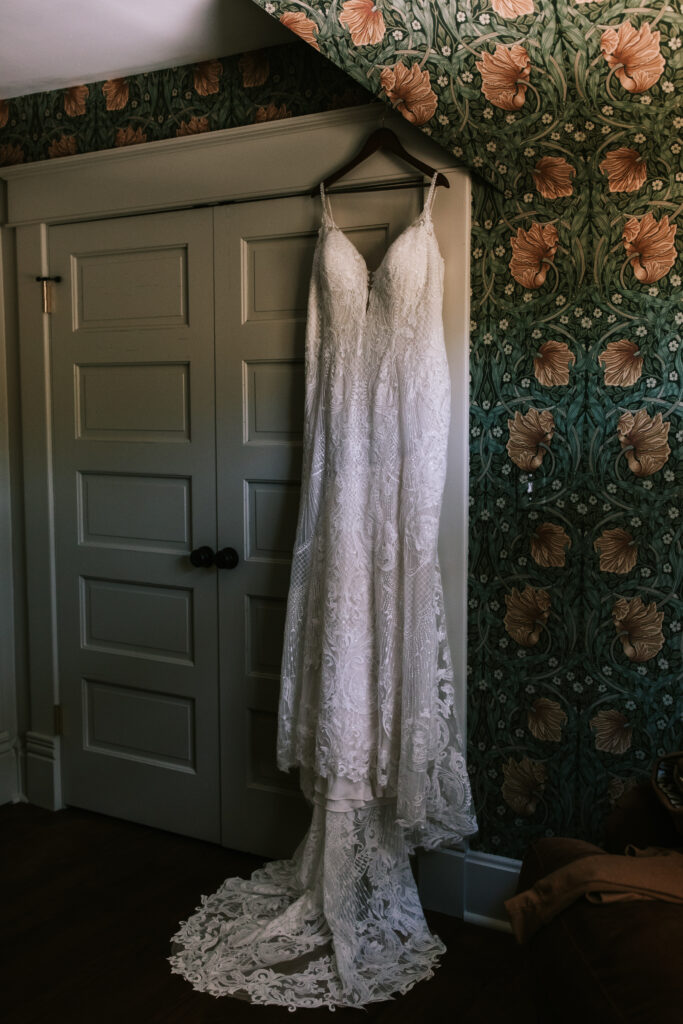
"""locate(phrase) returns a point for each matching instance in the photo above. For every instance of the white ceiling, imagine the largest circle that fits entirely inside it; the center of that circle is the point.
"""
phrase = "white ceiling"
(52, 44)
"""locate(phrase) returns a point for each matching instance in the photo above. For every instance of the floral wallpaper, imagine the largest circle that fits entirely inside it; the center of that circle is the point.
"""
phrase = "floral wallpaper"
(572, 112)
(263, 85)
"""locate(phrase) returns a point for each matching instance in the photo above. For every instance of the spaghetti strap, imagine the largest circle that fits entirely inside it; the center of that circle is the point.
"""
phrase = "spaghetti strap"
(429, 201)
(328, 219)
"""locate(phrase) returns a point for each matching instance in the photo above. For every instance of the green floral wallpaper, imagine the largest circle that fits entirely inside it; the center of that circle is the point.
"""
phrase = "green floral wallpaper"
(263, 85)
(572, 110)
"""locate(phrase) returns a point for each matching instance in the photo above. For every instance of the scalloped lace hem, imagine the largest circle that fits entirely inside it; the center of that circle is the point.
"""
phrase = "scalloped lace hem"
(338, 925)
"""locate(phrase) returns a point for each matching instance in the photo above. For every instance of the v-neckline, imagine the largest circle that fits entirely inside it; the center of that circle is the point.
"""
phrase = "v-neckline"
(372, 274)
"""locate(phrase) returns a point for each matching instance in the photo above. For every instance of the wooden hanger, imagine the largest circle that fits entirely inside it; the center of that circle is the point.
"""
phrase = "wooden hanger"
(383, 138)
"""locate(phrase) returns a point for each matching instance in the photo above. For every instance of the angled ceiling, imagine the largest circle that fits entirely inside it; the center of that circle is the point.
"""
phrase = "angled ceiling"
(54, 45)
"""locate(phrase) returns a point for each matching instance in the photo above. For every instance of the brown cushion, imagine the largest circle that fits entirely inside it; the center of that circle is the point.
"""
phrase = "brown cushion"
(619, 962)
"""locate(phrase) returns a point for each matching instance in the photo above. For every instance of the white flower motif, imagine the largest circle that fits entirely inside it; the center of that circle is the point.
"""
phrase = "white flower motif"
(611, 319)
(460, 16)
(499, 250)
(667, 87)
(466, 76)
(607, 110)
(675, 280)
(484, 19)
(605, 129)
(651, 382)
(646, 100)
(529, 151)
(617, 299)
(487, 113)
(653, 291)
(639, 138)
(442, 81)
(579, 136)
(673, 375)
(657, 185)
(641, 331)
(446, 51)
(675, 43)
(415, 24)
(555, 136)
(589, 126)
(675, 147)
(528, 197)
(509, 288)
(586, 322)
(503, 324)
(397, 34)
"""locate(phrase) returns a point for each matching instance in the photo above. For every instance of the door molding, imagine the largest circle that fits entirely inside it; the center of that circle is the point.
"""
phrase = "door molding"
(255, 162)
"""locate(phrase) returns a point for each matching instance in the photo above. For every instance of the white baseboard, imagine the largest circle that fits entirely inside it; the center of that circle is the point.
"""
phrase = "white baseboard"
(43, 778)
(10, 789)
(468, 884)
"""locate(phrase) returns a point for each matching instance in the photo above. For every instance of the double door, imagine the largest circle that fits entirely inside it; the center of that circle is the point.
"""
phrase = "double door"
(177, 356)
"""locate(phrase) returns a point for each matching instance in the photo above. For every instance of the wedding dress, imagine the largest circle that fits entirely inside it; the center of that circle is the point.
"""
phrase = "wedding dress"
(367, 702)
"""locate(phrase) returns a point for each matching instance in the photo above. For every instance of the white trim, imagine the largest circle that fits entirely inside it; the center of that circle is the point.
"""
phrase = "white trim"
(468, 884)
(43, 778)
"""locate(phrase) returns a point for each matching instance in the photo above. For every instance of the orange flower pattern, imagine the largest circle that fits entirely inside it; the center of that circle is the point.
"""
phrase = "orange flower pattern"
(643, 441)
(612, 731)
(523, 785)
(533, 253)
(195, 126)
(10, 155)
(553, 177)
(512, 8)
(207, 75)
(130, 136)
(527, 614)
(75, 100)
(364, 20)
(548, 545)
(255, 68)
(410, 91)
(633, 56)
(64, 146)
(305, 28)
(530, 437)
(552, 362)
(116, 92)
(649, 244)
(545, 720)
(623, 363)
(625, 168)
(505, 75)
(617, 549)
(639, 627)
(271, 113)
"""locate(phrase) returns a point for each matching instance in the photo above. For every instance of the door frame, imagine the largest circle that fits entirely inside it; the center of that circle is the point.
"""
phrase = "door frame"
(258, 161)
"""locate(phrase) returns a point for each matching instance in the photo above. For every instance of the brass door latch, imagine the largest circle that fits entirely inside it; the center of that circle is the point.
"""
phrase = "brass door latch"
(47, 291)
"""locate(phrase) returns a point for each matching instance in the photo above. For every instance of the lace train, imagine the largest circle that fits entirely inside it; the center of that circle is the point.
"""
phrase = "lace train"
(340, 924)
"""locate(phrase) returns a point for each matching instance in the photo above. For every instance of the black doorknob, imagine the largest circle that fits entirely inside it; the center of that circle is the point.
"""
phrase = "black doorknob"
(226, 558)
(202, 557)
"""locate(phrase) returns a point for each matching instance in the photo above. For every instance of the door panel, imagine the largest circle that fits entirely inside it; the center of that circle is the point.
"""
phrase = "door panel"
(134, 477)
(264, 253)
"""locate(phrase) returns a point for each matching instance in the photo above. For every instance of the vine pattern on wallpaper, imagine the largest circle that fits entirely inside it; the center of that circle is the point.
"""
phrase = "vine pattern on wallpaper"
(572, 110)
(263, 85)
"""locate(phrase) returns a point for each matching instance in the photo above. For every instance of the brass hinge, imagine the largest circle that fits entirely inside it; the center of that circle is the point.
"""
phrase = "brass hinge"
(58, 720)
(47, 291)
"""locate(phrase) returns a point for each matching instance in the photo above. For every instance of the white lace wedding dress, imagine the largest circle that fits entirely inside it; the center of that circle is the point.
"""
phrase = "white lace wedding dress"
(367, 702)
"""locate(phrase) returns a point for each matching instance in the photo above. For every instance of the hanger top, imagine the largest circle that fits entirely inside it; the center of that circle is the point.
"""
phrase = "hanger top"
(386, 139)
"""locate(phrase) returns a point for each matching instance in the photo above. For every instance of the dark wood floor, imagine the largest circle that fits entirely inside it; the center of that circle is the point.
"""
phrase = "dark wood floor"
(88, 905)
